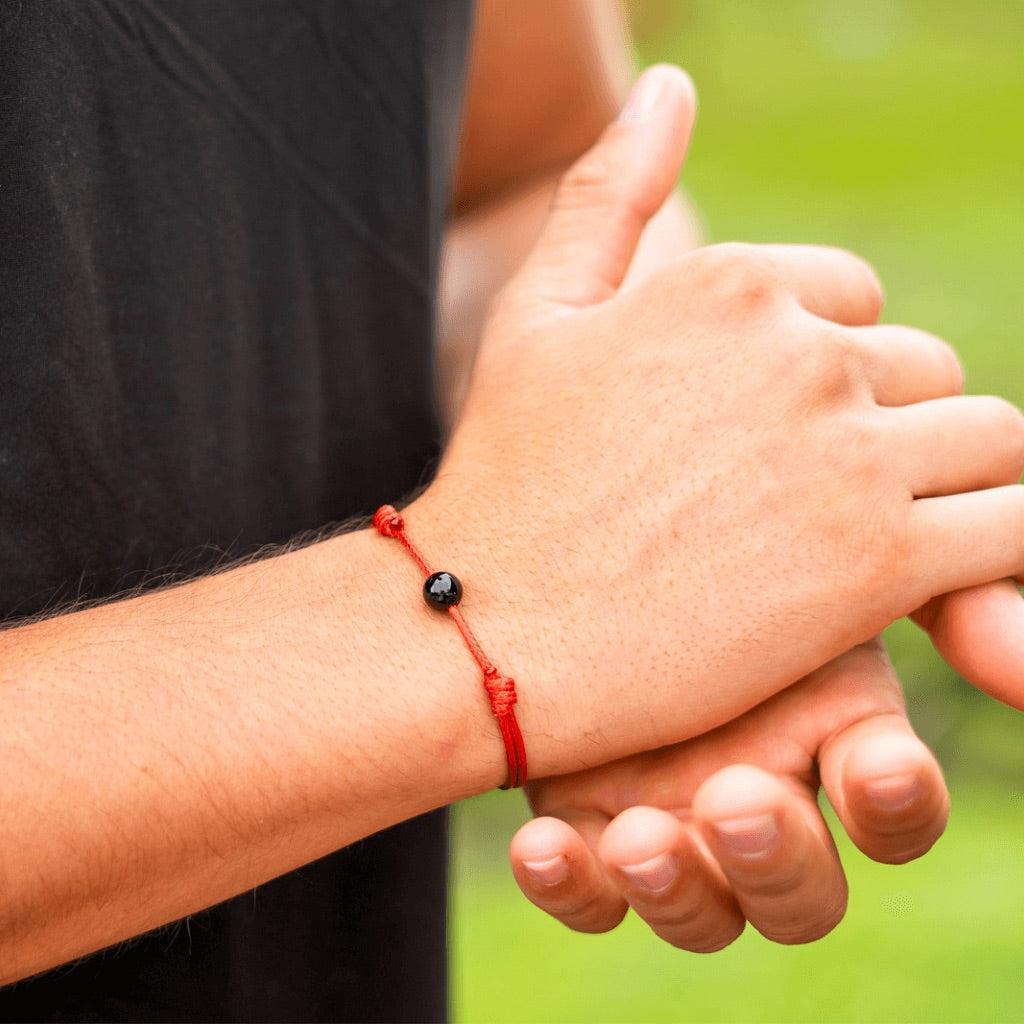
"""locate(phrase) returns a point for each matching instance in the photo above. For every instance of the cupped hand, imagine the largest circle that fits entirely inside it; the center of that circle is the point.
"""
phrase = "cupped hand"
(701, 837)
(670, 502)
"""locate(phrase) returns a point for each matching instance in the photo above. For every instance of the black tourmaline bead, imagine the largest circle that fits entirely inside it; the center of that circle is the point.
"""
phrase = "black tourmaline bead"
(442, 590)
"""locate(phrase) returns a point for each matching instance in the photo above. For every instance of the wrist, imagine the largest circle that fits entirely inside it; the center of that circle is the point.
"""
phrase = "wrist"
(429, 706)
(521, 604)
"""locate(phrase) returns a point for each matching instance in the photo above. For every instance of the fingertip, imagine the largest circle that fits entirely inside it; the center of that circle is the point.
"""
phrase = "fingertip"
(656, 875)
(642, 845)
(740, 810)
(653, 87)
(894, 803)
(606, 198)
(546, 873)
(637, 835)
(556, 871)
(682, 83)
(774, 848)
(738, 791)
(669, 880)
(889, 764)
(892, 792)
(543, 841)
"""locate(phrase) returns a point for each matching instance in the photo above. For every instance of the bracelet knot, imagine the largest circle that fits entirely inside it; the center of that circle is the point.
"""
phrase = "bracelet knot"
(388, 522)
(502, 691)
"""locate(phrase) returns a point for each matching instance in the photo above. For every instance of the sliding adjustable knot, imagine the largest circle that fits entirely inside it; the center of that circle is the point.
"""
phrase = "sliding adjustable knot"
(388, 522)
(443, 591)
(502, 691)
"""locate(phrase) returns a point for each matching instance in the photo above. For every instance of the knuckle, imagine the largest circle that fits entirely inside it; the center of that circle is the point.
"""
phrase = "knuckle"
(843, 367)
(880, 552)
(736, 271)
(588, 182)
(830, 361)
(596, 182)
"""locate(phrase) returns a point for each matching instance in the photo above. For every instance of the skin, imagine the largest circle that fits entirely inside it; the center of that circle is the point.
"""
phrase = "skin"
(557, 868)
(791, 289)
(700, 837)
(220, 713)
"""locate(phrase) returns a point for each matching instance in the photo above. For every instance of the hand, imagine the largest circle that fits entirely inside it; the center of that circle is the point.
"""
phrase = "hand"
(978, 630)
(701, 837)
(669, 503)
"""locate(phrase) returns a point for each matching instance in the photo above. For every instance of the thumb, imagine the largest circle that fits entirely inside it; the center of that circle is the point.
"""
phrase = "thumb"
(606, 198)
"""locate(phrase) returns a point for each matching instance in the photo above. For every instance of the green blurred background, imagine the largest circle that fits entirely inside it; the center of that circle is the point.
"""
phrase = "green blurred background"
(894, 128)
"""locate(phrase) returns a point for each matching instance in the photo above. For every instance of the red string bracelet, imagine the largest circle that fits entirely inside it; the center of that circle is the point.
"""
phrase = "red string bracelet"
(443, 591)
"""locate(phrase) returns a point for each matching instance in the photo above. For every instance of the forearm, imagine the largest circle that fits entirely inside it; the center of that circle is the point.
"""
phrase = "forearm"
(166, 752)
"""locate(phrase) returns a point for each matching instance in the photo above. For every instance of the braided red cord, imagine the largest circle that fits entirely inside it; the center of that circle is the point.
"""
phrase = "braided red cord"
(501, 689)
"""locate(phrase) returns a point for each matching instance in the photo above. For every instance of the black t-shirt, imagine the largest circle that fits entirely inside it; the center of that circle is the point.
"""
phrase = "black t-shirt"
(219, 232)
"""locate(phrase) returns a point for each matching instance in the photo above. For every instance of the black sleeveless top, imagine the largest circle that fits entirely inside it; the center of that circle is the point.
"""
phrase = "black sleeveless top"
(219, 233)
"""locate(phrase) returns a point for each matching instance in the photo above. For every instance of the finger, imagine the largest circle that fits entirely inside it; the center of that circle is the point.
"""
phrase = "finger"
(556, 871)
(958, 444)
(604, 201)
(980, 633)
(830, 283)
(963, 540)
(669, 881)
(886, 787)
(775, 851)
(905, 365)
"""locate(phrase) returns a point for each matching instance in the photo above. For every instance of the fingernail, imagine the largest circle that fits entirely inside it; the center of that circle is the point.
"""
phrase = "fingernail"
(749, 837)
(654, 875)
(547, 872)
(644, 97)
(893, 792)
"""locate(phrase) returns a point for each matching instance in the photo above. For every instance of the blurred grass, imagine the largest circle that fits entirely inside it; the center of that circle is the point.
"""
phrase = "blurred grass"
(894, 128)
